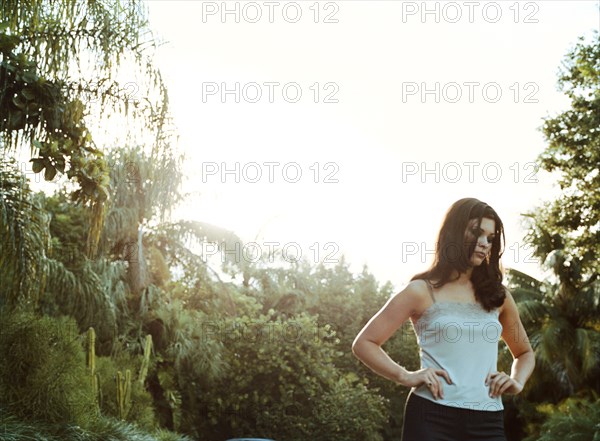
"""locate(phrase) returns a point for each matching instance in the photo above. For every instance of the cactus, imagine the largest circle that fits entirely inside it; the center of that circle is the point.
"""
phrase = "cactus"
(124, 383)
(124, 393)
(91, 354)
(145, 361)
(91, 362)
(120, 394)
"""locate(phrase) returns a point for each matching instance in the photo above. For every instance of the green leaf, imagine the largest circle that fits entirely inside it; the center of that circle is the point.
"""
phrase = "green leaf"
(49, 173)
(28, 93)
(60, 165)
(29, 77)
(38, 165)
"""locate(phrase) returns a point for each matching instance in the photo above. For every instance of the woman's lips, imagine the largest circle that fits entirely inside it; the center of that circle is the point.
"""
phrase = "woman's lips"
(482, 255)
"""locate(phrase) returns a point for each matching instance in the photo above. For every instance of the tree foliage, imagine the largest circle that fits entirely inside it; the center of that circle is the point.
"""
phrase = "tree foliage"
(281, 382)
(23, 238)
(575, 419)
(250, 348)
(42, 372)
(58, 64)
(569, 227)
(562, 315)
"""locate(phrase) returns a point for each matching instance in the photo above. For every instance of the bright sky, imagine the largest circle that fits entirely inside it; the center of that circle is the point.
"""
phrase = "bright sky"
(380, 135)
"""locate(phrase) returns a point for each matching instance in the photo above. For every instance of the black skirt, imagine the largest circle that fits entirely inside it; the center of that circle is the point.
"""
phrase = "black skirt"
(425, 420)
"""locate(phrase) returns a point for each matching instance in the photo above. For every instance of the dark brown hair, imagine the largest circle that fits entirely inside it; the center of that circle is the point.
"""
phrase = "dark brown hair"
(453, 252)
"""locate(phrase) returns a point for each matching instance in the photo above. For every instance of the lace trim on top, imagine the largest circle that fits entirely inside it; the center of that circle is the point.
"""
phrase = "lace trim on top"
(468, 310)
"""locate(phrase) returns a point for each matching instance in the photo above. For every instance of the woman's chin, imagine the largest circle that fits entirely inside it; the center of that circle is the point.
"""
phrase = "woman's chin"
(476, 260)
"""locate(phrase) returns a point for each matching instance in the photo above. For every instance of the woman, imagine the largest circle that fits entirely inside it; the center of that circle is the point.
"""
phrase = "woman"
(459, 310)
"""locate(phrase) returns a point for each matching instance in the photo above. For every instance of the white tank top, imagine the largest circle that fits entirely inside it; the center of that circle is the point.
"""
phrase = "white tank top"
(461, 338)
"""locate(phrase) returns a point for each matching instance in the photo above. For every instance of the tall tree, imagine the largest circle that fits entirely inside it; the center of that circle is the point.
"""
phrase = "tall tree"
(565, 335)
(568, 229)
(565, 233)
(59, 71)
(23, 238)
(562, 315)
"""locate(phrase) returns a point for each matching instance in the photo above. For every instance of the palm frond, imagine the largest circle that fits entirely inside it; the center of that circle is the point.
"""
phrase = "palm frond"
(23, 237)
(523, 280)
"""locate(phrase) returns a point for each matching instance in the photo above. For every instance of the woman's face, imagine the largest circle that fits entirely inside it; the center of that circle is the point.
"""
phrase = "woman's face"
(482, 236)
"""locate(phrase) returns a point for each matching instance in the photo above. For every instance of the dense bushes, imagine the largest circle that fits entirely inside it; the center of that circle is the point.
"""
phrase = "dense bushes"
(43, 373)
(102, 429)
(281, 382)
(46, 390)
(211, 377)
(574, 419)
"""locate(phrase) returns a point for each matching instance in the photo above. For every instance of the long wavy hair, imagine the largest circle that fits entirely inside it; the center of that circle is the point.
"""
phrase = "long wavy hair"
(454, 250)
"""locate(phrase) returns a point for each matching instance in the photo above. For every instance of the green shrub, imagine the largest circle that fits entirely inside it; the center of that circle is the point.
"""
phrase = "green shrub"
(166, 435)
(111, 429)
(575, 419)
(43, 374)
(281, 382)
(102, 429)
(13, 429)
(349, 411)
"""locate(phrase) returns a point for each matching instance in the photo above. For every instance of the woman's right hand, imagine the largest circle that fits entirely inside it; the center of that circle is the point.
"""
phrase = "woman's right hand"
(428, 375)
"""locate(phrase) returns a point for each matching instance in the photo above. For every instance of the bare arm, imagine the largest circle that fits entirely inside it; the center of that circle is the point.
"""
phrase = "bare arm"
(367, 344)
(523, 367)
(515, 336)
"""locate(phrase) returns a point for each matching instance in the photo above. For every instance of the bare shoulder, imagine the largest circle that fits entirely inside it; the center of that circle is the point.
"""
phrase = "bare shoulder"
(418, 292)
(398, 308)
(508, 299)
(412, 297)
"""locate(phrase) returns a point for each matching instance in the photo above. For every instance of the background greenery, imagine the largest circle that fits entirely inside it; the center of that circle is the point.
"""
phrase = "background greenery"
(267, 354)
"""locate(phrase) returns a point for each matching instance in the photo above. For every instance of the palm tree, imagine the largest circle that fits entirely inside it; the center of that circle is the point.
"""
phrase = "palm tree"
(60, 61)
(563, 324)
(23, 238)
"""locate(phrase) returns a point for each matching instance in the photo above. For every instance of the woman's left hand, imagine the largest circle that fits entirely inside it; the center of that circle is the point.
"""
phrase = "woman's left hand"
(500, 383)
